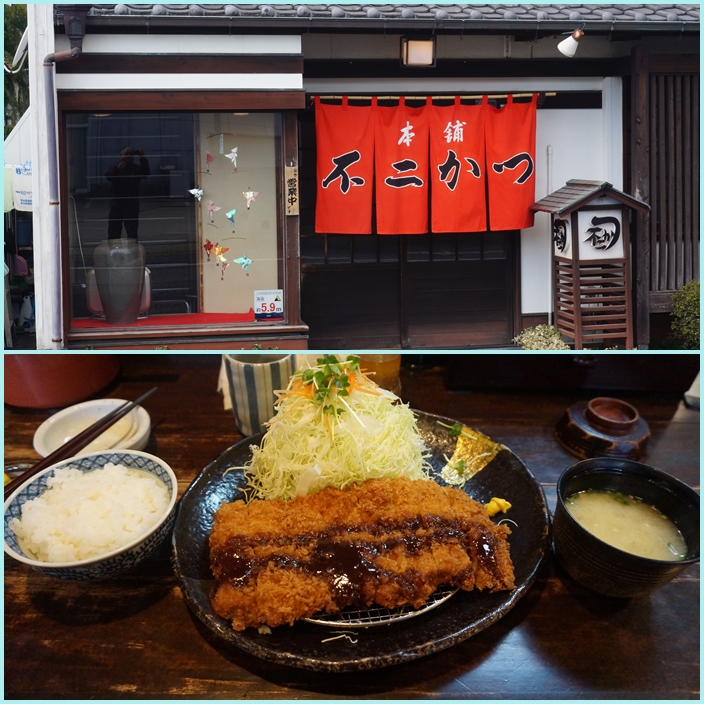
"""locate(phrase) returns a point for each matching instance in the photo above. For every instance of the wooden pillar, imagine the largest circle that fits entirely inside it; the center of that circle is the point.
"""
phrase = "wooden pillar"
(291, 235)
(640, 185)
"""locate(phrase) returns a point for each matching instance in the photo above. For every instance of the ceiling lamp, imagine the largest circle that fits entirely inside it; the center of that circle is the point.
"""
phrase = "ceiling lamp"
(418, 52)
(568, 46)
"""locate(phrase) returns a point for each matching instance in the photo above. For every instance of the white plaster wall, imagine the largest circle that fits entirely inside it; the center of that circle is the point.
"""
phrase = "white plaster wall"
(185, 44)
(179, 81)
(585, 144)
(47, 274)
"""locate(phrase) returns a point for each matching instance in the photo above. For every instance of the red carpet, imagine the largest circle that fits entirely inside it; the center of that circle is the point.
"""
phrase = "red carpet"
(170, 320)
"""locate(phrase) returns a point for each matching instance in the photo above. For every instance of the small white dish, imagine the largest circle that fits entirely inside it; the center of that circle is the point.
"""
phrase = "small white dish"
(129, 433)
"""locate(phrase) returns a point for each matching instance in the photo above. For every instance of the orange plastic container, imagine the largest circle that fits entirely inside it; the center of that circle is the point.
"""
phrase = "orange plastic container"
(56, 380)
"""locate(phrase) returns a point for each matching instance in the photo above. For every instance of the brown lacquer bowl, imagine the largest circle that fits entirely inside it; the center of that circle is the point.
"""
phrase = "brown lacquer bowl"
(602, 567)
(603, 427)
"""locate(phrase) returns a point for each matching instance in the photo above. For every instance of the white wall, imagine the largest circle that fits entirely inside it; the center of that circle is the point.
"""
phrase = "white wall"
(585, 144)
(174, 44)
(47, 273)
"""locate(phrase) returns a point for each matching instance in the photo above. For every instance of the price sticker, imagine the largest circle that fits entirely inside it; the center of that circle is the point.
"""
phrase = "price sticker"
(268, 304)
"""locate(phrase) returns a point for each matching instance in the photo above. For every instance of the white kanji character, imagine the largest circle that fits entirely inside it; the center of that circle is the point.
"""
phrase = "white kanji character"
(454, 133)
(406, 134)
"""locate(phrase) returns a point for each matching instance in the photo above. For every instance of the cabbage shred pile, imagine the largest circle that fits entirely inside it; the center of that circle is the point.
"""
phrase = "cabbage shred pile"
(334, 427)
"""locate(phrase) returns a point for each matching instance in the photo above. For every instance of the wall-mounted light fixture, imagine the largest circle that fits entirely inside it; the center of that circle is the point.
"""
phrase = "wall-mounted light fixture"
(418, 52)
(568, 46)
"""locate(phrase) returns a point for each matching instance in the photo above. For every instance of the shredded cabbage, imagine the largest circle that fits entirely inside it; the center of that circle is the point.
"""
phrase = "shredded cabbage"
(356, 432)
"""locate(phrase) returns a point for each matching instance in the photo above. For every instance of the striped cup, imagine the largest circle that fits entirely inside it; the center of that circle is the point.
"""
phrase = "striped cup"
(251, 381)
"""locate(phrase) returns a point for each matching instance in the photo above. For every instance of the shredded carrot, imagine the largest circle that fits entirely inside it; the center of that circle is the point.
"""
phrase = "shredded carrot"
(369, 391)
(327, 422)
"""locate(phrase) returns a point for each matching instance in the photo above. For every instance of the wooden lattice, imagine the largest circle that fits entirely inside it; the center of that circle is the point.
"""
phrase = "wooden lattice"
(592, 301)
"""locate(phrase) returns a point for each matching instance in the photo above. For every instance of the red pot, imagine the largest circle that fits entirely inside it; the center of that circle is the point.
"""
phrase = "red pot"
(56, 380)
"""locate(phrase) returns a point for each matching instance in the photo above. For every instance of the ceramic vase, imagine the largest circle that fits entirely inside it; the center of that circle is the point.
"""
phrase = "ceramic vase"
(119, 274)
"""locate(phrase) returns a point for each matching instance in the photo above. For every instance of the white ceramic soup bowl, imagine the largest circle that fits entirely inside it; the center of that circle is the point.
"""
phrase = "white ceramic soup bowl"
(111, 563)
(130, 433)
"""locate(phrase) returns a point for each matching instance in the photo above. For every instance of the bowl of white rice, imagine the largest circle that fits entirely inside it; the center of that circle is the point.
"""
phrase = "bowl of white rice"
(92, 516)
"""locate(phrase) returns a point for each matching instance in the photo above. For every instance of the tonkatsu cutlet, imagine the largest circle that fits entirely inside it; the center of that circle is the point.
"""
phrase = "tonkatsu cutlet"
(385, 541)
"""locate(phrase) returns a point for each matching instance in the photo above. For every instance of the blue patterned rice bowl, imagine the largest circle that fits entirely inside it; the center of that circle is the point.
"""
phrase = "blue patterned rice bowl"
(109, 564)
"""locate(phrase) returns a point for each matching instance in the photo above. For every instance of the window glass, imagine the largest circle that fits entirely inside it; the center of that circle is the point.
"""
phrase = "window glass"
(494, 245)
(418, 248)
(199, 192)
(469, 246)
(443, 248)
(339, 251)
(312, 249)
(365, 248)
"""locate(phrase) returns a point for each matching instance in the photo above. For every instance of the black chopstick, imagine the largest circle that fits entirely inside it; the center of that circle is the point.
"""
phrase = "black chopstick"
(70, 448)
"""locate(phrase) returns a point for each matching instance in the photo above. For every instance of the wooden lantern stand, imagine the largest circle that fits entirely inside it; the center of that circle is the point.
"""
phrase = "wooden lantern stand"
(591, 260)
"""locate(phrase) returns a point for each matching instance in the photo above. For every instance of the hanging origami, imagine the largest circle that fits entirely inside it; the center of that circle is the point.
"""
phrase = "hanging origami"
(250, 196)
(231, 217)
(197, 192)
(219, 252)
(245, 261)
(510, 158)
(211, 211)
(345, 168)
(232, 156)
(225, 264)
(208, 247)
(209, 159)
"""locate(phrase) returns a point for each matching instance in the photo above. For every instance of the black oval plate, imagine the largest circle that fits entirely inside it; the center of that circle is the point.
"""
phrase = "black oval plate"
(300, 645)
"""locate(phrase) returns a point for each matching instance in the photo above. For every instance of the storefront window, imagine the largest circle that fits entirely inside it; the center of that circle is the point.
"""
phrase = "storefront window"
(199, 192)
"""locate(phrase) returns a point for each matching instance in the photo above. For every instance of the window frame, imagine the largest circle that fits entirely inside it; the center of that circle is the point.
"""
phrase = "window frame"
(284, 102)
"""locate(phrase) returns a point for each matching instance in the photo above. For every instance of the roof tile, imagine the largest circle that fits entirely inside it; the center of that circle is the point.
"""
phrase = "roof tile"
(412, 11)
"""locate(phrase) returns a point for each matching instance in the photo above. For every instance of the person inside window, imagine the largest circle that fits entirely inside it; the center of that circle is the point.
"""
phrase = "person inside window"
(125, 177)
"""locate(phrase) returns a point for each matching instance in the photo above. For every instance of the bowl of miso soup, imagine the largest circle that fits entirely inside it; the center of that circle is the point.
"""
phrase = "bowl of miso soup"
(623, 528)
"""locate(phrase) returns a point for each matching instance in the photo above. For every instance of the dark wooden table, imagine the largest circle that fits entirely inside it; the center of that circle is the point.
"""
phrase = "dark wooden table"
(134, 637)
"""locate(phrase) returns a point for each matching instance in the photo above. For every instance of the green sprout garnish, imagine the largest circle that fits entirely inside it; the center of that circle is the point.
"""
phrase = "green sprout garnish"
(456, 429)
(330, 377)
(460, 466)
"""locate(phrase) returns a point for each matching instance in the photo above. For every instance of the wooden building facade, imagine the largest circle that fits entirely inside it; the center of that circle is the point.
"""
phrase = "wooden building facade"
(220, 98)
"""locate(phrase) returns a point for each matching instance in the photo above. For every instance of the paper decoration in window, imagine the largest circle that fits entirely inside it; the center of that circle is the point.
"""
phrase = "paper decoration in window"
(208, 247)
(209, 159)
(211, 211)
(232, 156)
(231, 217)
(250, 196)
(219, 252)
(197, 192)
(244, 261)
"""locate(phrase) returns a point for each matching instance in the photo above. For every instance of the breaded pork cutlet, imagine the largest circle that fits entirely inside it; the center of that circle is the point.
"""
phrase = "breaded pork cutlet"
(384, 541)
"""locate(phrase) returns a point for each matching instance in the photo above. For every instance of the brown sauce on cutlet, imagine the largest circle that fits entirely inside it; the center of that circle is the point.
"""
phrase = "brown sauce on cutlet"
(346, 567)
(484, 550)
(345, 559)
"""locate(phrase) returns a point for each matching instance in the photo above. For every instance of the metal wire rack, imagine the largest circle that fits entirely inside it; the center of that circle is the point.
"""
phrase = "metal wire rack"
(379, 616)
